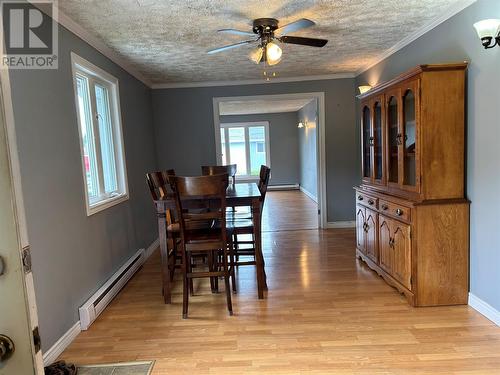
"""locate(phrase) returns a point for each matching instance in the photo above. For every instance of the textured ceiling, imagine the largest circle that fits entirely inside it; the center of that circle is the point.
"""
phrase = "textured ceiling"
(167, 40)
(250, 107)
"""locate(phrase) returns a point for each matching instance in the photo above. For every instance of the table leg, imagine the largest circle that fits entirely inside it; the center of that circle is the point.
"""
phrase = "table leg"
(259, 257)
(165, 269)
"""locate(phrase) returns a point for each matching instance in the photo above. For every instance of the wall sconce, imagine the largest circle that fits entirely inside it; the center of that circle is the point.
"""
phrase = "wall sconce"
(363, 89)
(489, 32)
(302, 124)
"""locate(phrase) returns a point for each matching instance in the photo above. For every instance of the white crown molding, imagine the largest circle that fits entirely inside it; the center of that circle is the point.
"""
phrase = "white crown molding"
(454, 9)
(176, 85)
(484, 309)
(67, 22)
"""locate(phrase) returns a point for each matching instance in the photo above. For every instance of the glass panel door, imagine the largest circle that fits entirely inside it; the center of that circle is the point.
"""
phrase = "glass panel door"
(408, 139)
(377, 141)
(257, 143)
(237, 149)
(366, 136)
(393, 126)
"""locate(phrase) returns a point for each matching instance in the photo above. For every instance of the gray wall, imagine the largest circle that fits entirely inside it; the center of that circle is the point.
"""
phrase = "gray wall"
(456, 40)
(183, 122)
(73, 255)
(283, 144)
(308, 149)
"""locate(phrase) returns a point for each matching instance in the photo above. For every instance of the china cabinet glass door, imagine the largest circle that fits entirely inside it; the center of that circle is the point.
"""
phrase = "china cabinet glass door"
(366, 140)
(408, 137)
(378, 142)
(393, 130)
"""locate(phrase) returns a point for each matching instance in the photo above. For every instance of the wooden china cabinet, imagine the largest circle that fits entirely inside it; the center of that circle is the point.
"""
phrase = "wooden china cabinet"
(412, 216)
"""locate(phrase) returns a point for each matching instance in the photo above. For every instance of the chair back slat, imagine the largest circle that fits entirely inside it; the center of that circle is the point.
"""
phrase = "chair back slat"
(209, 170)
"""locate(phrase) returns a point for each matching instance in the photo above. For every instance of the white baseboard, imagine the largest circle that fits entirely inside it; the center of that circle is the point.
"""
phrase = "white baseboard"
(283, 187)
(340, 224)
(56, 350)
(151, 248)
(309, 194)
(66, 339)
(484, 309)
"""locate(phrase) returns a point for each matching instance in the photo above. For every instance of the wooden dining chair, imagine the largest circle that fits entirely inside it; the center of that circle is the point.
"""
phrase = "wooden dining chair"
(159, 187)
(197, 237)
(210, 170)
(244, 225)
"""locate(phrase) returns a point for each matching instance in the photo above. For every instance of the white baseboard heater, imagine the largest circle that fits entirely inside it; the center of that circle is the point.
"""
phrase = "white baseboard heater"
(283, 187)
(98, 302)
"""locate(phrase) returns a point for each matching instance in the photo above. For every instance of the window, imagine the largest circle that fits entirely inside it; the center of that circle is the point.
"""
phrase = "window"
(245, 144)
(101, 140)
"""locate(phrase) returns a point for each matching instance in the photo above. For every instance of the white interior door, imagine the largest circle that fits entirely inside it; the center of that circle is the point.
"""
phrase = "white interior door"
(18, 352)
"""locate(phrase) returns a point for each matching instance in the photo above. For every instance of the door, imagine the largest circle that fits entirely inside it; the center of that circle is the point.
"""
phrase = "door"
(377, 141)
(394, 149)
(360, 228)
(371, 234)
(409, 136)
(402, 253)
(386, 253)
(18, 354)
(366, 142)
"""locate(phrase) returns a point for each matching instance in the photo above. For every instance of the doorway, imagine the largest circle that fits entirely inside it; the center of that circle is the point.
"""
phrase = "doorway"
(245, 135)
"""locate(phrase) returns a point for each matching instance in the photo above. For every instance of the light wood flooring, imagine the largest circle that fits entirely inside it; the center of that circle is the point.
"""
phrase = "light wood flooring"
(289, 210)
(325, 313)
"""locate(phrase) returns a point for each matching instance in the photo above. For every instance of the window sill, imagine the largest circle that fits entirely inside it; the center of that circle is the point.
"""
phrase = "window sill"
(107, 203)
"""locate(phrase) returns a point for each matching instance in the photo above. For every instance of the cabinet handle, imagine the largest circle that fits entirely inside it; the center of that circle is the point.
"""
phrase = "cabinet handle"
(385, 207)
(399, 212)
(398, 139)
(372, 141)
(360, 197)
(371, 202)
(391, 242)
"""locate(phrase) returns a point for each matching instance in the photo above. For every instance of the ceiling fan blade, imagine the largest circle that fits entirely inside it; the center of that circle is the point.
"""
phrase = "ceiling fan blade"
(236, 32)
(230, 46)
(294, 26)
(312, 42)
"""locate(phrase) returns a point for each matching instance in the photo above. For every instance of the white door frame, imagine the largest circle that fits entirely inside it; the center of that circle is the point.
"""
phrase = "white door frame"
(8, 113)
(320, 137)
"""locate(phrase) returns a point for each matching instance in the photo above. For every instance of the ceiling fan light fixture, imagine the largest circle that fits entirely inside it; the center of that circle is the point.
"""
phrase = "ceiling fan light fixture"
(256, 54)
(273, 53)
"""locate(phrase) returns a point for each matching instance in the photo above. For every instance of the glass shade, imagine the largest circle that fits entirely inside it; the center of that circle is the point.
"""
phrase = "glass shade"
(363, 89)
(256, 54)
(273, 53)
(487, 28)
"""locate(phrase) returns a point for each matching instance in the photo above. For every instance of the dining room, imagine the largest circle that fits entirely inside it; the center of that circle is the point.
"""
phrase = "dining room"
(272, 187)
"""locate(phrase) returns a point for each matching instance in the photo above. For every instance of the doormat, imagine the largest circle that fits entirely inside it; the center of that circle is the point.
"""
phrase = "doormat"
(125, 368)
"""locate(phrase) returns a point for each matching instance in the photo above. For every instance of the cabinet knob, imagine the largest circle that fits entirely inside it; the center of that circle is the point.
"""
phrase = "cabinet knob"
(385, 207)
(372, 141)
(398, 139)
(360, 197)
(399, 212)
(371, 202)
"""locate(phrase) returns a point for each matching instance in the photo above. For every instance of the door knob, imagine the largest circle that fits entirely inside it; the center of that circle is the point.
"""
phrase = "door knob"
(6, 348)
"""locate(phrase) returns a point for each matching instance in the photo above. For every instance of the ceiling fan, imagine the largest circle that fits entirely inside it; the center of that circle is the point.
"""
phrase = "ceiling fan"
(268, 34)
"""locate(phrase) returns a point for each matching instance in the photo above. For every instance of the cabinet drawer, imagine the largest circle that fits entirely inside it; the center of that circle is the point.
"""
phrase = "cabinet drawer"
(395, 210)
(366, 200)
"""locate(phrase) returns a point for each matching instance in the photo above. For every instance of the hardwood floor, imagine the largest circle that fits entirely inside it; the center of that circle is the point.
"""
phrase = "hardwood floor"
(325, 313)
(289, 210)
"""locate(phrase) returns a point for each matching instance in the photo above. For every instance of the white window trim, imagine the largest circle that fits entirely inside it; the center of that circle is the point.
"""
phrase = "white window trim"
(79, 64)
(245, 125)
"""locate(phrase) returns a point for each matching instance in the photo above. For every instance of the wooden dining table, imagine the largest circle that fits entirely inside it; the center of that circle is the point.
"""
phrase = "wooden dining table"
(237, 195)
